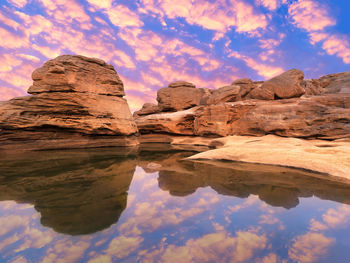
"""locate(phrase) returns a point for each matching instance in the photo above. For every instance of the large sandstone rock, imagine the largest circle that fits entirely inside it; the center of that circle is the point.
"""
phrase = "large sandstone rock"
(336, 83)
(313, 87)
(238, 90)
(287, 85)
(224, 94)
(179, 95)
(77, 74)
(325, 117)
(72, 95)
(246, 85)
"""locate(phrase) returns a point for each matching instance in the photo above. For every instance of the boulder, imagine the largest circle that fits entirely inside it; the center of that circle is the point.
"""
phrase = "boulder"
(147, 108)
(178, 84)
(287, 85)
(313, 87)
(224, 94)
(73, 97)
(77, 74)
(246, 85)
(336, 83)
(179, 95)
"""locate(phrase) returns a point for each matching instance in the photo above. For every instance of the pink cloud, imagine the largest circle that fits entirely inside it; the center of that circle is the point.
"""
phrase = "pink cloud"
(264, 70)
(19, 77)
(102, 4)
(7, 93)
(122, 16)
(315, 18)
(12, 40)
(215, 15)
(123, 60)
(310, 15)
(8, 22)
(272, 5)
(66, 12)
(338, 45)
(8, 62)
(18, 3)
(310, 247)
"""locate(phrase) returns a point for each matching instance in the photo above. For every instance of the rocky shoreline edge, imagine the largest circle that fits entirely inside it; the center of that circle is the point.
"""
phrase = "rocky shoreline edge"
(78, 102)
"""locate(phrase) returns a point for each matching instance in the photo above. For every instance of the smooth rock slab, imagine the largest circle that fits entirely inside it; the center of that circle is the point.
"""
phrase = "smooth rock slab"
(332, 158)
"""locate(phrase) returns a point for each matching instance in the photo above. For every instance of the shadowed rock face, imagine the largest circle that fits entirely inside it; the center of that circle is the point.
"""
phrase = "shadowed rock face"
(75, 192)
(72, 95)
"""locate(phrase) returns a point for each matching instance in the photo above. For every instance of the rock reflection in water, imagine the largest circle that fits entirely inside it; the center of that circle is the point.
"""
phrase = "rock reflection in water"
(76, 192)
(172, 214)
(82, 192)
(277, 186)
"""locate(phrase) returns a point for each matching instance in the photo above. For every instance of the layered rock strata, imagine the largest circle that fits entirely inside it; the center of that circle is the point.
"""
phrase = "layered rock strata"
(76, 102)
(276, 106)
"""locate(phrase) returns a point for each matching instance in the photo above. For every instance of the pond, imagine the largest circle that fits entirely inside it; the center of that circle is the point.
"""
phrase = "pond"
(150, 205)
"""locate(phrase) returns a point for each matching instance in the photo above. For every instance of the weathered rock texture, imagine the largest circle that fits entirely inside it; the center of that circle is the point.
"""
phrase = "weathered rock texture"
(147, 108)
(72, 96)
(324, 113)
(284, 86)
(179, 95)
(326, 116)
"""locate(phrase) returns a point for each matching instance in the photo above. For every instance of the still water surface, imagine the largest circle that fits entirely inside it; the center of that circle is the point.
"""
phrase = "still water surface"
(113, 205)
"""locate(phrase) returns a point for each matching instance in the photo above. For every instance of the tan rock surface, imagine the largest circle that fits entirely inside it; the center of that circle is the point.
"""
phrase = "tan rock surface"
(224, 94)
(287, 85)
(147, 108)
(180, 122)
(68, 73)
(179, 96)
(73, 97)
(181, 83)
(326, 117)
(332, 158)
(336, 83)
(246, 86)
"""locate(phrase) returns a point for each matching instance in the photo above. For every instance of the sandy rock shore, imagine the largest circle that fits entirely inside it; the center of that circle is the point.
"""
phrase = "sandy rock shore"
(328, 158)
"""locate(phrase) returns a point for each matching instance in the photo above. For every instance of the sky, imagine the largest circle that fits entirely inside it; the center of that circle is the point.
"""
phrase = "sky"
(154, 42)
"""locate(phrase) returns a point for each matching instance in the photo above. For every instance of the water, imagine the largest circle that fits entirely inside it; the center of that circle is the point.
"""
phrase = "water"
(113, 205)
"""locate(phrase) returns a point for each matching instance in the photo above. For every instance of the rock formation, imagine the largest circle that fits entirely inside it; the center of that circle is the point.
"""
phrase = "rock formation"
(287, 85)
(272, 107)
(75, 101)
(179, 95)
(147, 108)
